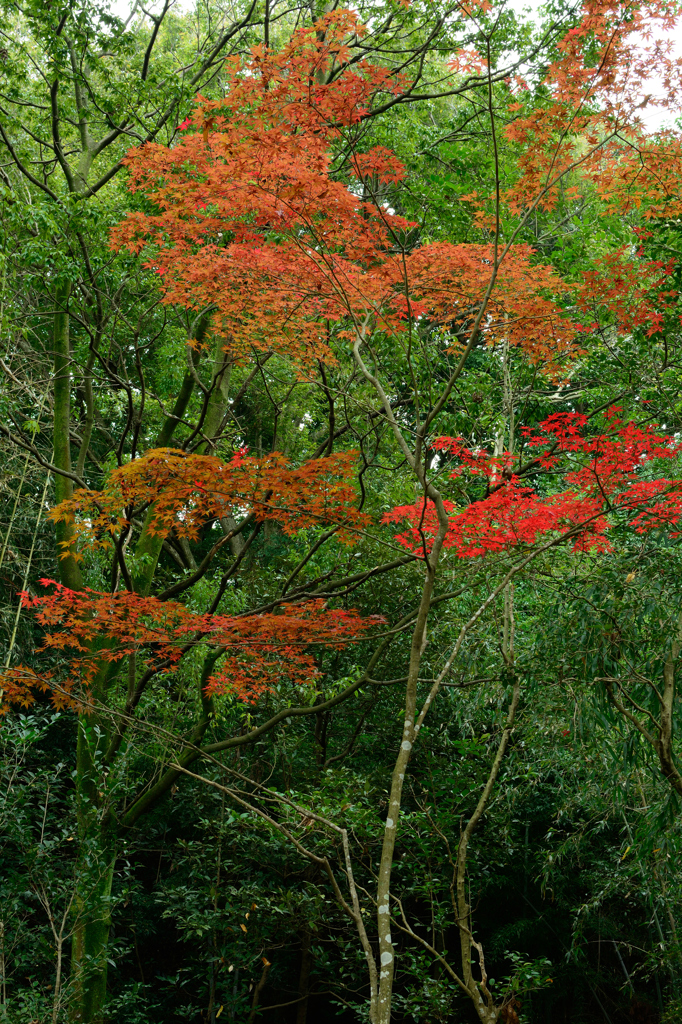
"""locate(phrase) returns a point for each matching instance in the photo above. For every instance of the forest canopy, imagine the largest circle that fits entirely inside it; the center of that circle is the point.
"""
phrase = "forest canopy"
(341, 419)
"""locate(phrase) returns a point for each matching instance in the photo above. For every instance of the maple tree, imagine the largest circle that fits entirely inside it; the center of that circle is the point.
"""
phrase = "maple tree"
(606, 483)
(244, 656)
(262, 233)
(257, 650)
(182, 493)
(271, 221)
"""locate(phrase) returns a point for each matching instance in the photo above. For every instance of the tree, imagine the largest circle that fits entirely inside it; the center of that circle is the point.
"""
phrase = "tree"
(98, 83)
(329, 286)
(280, 254)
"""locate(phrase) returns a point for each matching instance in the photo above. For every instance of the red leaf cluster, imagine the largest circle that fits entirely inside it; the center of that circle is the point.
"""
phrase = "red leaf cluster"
(608, 477)
(180, 492)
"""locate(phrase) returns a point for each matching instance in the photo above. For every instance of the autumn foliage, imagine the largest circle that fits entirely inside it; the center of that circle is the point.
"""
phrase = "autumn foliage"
(181, 492)
(249, 215)
(627, 292)
(610, 477)
(252, 219)
(613, 64)
(255, 651)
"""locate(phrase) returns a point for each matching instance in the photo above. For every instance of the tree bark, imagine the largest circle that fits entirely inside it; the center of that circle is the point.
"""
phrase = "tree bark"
(95, 872)
(91, 907)
(480, 994)
(149, 545)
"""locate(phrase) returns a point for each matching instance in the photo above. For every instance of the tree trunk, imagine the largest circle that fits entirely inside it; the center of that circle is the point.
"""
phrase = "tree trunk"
(91, 934)
(92, 903)
(386, 951)
(149, 545)
(95, 872)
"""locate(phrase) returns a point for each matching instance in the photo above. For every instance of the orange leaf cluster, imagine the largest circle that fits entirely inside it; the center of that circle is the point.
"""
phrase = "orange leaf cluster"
(251, 219)
(636, 293)
(248, 210)
(448, 280)
(610, 66)
(257, 650)
(18, 688)
(183, 492)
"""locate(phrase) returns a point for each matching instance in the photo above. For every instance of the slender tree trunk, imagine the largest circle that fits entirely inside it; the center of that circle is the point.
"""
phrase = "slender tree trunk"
(92, 905)
(480, 994)
(149, 545)
(91, 936)
(386, 953)
(217, 403)
(257, 992)
(664, 743)
(3, 967)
